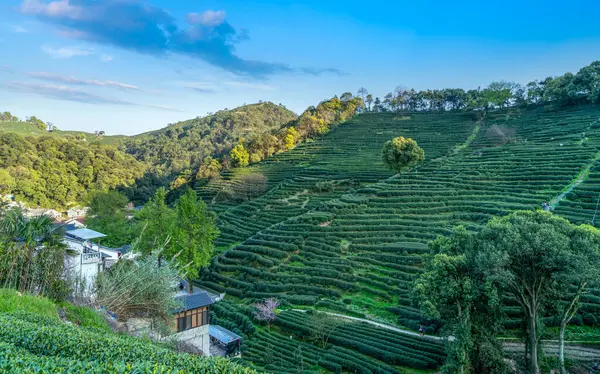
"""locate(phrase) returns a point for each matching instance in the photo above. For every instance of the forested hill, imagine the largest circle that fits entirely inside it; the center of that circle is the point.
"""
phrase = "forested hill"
(180, 145)
(175, 152)
(56, 169)
(51, 171)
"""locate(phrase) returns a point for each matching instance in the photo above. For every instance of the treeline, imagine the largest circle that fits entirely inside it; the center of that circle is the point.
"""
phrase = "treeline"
(53, 172)
(564, 90)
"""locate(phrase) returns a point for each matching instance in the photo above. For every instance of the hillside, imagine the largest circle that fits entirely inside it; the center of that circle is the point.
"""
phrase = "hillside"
(183, 146)
(337, 231)
(27, 129)
(52, 171)
(136, 165)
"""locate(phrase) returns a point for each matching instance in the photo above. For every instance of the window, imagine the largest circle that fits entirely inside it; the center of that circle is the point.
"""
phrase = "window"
(192, 319)
(180, 324)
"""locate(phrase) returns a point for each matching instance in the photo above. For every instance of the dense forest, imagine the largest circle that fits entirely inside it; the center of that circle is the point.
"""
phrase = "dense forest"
(54, 172)
(176, 152)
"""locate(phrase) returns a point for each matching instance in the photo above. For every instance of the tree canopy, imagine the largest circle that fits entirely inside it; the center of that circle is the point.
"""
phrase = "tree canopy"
(538, 259)
(53, 172)
(401, 153)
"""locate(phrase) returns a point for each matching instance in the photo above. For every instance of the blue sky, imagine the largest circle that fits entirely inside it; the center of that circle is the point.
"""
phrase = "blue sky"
(129, 66)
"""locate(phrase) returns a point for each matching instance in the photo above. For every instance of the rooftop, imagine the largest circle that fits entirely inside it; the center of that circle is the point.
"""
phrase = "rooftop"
(85, 234)
(194, 301)
(222, 334)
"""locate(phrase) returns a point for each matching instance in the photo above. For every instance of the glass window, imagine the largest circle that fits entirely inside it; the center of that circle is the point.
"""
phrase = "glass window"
(180, 324)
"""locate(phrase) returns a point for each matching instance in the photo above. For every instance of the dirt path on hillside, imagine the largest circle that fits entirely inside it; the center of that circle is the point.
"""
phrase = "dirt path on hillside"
(378, 324)
(572, 351)
(581, 177)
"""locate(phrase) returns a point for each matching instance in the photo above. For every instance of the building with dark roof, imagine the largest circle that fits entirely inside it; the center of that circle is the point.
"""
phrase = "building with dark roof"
(191, 316)
(192, 310)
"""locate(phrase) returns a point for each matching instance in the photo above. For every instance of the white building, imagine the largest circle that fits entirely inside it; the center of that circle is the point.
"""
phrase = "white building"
(33, 213)
(91, 258)
(77, 212)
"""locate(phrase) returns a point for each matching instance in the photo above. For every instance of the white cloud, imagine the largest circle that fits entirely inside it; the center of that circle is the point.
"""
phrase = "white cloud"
(253, 86)
(67, 52)
(60, 8)
(106, 58)
(208, 18)
(65, 93)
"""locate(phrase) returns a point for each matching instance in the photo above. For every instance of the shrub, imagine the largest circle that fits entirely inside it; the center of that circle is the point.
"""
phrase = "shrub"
(590, 320)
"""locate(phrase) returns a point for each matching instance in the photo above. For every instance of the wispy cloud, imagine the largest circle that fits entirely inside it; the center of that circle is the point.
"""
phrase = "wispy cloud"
(162, 107)
(83, 82)
(143, 28)
(65, 93)
(6, 69)
(61, 92)
(106, 58)
(202, 87)
(250, 85)
(67, 52)
(20, 29)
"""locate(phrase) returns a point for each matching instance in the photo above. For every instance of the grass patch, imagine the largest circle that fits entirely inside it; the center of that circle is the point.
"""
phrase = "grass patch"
(12, 301)
(85, 317)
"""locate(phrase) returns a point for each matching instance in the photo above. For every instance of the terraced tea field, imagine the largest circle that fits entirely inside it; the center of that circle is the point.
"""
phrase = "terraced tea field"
(345, 159)
(355, 248)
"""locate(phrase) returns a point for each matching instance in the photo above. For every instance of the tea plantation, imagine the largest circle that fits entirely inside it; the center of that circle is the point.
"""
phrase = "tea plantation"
(32, 343)
(337, 231)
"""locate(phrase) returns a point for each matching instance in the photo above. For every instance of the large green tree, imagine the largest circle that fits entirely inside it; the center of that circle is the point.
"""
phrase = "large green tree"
(107, 215)
(583, 273)
(453, 288)
(191, 245)
(526, 253)
(401, 153)
(157, 220)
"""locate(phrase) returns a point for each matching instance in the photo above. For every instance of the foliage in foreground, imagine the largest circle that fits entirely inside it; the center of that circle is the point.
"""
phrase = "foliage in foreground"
(31, 343)
(12, 301)
(535, 258)
(32, 255)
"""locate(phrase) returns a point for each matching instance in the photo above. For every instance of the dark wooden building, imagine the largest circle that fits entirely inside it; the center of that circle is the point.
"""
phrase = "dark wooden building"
(194, 310)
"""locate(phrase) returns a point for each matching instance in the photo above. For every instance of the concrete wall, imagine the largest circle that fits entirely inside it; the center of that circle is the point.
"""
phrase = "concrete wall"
(198, 337)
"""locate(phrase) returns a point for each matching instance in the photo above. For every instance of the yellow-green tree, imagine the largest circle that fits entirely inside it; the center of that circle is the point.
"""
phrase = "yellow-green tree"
(290, 138)
(239, 155)
(400, 153)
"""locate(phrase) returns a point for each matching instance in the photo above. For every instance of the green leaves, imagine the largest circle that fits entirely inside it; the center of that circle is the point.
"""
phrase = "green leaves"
(401, 153)
(191, 244)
